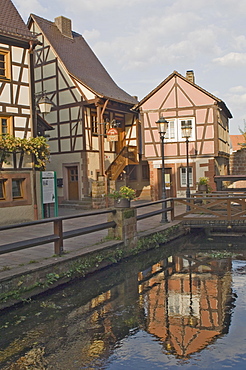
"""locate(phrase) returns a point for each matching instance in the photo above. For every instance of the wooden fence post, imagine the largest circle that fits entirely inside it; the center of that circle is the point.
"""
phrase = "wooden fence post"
(59, 232)
(172, 210)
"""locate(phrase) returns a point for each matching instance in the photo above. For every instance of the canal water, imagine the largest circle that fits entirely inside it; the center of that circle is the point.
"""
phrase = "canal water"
(180, 306)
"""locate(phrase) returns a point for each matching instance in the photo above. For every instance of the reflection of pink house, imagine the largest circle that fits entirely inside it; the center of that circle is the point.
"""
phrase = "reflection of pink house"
(179, 99)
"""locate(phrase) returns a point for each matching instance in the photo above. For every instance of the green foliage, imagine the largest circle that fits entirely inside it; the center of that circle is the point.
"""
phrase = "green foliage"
(203, 181)
(37, 146)
(243, 132)
(156, 239)
(87, 264)
(125, 192)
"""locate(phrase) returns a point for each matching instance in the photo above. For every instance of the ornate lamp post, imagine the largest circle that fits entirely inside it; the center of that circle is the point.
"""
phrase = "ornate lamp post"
(162, 128)
(186, 133)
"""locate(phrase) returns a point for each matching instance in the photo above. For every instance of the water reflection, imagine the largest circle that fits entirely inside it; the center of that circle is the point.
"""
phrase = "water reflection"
(183, 302)
(187, 301)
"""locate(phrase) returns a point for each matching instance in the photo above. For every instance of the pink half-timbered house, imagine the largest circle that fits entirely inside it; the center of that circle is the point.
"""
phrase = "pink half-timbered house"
(178, 99)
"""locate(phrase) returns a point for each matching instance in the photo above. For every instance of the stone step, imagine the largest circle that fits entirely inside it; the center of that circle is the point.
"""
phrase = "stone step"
(85, 203)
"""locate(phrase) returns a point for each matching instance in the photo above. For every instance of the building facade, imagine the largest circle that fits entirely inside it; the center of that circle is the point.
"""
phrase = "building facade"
(18, 188)
(88, 107)
(181, 101)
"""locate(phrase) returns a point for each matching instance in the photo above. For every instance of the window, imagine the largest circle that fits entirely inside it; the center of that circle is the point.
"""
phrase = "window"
(2, 190)
(94, 123)
(183, 122)
(174, 132)
(170, 134)
(17, 188)
(183, 176)
(5, 126)
(4, 64)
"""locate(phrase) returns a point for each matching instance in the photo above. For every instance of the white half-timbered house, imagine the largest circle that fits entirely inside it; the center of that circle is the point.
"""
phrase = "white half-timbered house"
(87, 104)
(18, 197)
(182, 102)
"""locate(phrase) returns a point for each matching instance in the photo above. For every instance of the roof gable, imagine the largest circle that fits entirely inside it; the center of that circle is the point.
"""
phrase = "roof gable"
(11, 24)
(189, 94)
(81, 62)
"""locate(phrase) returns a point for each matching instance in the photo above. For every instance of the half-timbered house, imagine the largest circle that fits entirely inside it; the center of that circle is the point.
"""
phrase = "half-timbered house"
(18, 198)
(89, 113)
(180, 101)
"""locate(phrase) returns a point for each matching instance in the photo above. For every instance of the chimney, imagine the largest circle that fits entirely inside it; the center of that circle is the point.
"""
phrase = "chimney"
(190, 76)
(64, 25)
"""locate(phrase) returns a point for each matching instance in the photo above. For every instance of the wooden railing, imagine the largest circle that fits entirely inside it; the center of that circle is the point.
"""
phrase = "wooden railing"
(215, 207)
(58, 235)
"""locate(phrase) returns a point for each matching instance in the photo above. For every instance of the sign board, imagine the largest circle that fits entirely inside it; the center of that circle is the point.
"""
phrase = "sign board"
(48, 187)
(167, 181)
(112, 134)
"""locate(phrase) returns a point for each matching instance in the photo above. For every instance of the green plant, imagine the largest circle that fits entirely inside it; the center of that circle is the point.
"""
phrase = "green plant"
(203, 181)
(37, 146)
(124, 192)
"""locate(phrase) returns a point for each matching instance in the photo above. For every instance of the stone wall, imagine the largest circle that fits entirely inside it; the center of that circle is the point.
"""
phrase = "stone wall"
(238, 166)
(238, 162)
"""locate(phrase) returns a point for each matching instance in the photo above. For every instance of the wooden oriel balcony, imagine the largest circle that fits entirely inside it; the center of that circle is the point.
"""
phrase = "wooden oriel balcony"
(127, 155)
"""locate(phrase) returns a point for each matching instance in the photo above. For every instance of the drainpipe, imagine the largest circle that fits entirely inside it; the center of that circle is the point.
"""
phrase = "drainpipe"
(33, 118)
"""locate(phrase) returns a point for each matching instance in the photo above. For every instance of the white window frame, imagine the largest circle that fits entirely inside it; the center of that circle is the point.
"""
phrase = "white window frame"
(171, 134)
(174, 132)
(192, 122)
(183, 176)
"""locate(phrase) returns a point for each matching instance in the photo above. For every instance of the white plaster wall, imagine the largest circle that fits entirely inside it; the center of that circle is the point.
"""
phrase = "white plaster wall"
(86, 92)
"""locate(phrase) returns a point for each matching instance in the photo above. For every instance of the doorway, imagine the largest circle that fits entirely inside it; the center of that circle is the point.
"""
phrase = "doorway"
(73, 183)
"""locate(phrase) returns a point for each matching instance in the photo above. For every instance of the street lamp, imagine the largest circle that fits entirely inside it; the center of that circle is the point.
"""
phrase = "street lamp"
(44, 104)
(186, 128)
(162, 128)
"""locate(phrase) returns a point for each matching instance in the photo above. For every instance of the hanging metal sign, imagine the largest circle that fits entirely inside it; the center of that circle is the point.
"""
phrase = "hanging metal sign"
(112, 134)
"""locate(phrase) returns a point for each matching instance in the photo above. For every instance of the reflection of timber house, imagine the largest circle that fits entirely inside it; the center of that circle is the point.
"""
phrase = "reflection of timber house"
(86, 105)
(187, 302)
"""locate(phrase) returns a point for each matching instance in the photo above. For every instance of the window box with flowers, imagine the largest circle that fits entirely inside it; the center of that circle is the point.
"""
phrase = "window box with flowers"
(37, 147)
(123, 196)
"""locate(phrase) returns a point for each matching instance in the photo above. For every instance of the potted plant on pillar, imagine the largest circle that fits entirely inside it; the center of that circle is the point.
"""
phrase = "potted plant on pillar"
(203, 184)
(123, 196)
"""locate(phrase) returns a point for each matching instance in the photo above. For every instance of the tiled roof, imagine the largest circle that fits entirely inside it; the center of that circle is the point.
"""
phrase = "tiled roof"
(11, 23)
(82, 63)
(236, 140)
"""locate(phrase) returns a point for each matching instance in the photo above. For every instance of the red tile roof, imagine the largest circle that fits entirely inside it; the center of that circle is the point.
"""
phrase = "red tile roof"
(82, 63)
(11, 23)
(236, 140)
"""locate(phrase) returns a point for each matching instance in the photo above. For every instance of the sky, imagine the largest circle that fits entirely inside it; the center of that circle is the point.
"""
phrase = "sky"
(141, 42)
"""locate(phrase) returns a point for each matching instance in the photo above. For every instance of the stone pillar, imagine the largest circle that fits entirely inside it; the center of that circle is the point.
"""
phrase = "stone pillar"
(126, 226)
(98, 193)
(111, 187)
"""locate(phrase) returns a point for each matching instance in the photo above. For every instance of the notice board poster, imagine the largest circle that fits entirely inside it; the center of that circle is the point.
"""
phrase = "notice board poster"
(48, 187)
